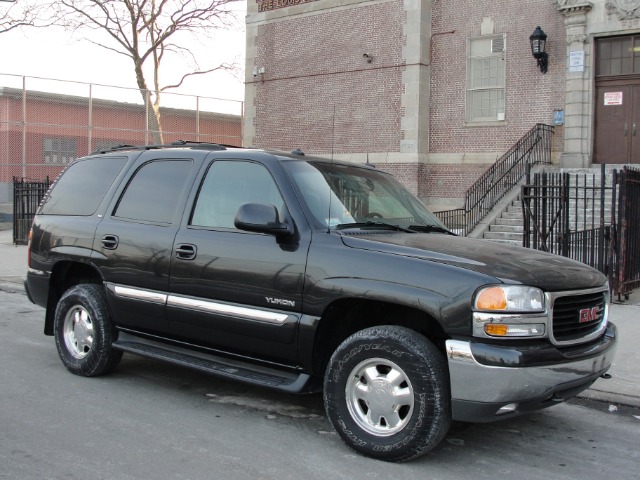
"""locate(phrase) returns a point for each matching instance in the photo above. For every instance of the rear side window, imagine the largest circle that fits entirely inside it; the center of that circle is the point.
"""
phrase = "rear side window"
(154, 192)
(81, 187)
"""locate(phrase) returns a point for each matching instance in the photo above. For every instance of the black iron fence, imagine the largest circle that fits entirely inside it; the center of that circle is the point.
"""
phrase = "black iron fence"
(532, 149)
(626, 267)
(27, 195)
(592, 218)
(570, 215)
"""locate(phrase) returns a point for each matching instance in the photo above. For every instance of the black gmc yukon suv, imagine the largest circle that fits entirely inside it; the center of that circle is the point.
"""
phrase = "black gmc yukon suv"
(304, 274)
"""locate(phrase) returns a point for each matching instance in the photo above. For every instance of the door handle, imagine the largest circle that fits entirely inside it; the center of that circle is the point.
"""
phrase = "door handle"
(186, 251)
(110, 242)
(625, 129)
(634, 129)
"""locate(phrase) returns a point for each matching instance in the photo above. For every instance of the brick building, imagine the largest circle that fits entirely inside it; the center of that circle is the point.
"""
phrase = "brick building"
(41, 132)
(435, 91)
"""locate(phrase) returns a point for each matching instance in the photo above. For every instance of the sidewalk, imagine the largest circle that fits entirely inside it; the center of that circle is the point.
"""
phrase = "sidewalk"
(622, 388)
(13, 263)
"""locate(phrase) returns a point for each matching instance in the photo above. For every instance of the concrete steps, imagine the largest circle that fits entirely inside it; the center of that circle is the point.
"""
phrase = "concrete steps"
(507, 228)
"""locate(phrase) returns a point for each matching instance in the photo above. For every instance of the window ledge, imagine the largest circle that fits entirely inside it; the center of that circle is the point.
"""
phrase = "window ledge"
(487, 123)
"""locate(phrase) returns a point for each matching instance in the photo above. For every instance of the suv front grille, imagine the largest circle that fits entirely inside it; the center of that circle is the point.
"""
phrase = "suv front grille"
(578, 316)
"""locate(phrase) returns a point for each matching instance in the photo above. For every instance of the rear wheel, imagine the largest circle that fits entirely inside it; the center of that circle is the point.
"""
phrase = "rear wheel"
(84, 332)
(386, 391)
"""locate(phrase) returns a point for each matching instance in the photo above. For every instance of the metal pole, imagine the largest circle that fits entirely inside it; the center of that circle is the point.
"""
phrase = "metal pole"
(198, 118)
(146, 117)
(90, 126)
(601, 246)
(241, 124)
(24, 127)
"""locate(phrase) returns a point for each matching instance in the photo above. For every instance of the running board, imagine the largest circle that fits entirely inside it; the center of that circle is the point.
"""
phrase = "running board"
(269, 377)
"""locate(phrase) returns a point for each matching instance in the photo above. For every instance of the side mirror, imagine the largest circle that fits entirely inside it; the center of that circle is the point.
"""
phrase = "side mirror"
(261, 218)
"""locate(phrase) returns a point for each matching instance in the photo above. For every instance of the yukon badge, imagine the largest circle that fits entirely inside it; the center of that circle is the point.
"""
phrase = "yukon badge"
(589, 314)
(280, 301)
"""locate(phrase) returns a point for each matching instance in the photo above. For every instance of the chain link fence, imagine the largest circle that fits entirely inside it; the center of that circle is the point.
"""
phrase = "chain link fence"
(47, 123)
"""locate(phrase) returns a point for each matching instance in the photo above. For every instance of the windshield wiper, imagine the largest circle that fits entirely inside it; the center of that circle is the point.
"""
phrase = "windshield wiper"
(430, 229)
(370, 224)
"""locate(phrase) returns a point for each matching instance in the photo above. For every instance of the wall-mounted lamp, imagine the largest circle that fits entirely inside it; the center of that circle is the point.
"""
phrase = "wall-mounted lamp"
(368, 58)
(538, 41)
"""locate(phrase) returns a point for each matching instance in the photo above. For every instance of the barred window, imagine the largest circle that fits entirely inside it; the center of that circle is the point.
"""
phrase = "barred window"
(59, 150)
(486, 79)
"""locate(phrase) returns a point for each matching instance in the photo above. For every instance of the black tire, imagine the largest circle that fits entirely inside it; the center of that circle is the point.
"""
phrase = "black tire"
(84, 332)
(386, 392)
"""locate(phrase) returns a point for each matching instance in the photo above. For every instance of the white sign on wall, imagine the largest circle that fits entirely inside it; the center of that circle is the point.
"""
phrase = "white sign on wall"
(576, 61)
(613, 98)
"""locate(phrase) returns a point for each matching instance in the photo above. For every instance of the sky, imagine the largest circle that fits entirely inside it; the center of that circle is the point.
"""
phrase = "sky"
(53, 53)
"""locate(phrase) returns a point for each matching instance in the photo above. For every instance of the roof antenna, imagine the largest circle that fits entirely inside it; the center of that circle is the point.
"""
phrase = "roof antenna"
(369, 164)
(333, 139)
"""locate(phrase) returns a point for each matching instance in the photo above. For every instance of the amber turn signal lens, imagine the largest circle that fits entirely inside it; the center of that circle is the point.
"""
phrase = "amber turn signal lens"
(495, 329)
(491, 299)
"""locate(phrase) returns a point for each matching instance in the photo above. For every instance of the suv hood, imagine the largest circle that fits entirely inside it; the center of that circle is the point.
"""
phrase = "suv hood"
(507, 263)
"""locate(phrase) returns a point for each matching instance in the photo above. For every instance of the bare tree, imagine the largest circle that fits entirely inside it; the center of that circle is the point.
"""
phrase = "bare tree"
(147, 32)
(16, 13)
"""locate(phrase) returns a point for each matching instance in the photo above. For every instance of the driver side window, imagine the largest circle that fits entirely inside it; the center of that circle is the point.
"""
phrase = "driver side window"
(228, 185)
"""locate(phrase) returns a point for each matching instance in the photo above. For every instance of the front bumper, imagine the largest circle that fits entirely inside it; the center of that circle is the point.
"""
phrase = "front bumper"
(492, 382)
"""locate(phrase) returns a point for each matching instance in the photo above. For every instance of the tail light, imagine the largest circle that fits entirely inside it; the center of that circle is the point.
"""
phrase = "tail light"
(29, 248)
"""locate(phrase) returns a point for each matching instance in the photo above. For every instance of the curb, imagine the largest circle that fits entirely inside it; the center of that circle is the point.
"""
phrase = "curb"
(610, 397)
(12, 287)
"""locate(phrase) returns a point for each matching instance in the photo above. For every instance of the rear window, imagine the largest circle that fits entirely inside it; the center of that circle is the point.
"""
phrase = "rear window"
(154, 191)
(81, 188)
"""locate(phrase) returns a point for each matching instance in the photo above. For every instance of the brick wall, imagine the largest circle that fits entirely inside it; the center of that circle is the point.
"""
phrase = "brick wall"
(530, 96)
(314, 64)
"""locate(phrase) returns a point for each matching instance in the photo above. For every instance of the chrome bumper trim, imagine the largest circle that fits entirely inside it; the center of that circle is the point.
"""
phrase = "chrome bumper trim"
(475, 382)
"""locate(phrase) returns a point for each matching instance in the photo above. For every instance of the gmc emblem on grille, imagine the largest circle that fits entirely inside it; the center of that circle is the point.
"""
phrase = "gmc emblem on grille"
(589, 314)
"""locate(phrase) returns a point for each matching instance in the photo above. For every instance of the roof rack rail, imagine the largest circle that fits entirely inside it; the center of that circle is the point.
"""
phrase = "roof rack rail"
(183, 143)
(175, 144)
(114, 148)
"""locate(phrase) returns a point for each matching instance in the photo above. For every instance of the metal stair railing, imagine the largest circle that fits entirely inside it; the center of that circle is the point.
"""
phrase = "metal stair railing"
(533, 148)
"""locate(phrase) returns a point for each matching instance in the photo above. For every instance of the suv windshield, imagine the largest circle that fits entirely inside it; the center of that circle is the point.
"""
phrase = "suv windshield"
(341, 196)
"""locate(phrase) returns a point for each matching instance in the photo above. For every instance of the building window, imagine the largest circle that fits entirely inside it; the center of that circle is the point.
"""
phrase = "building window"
(485, 79)
(59, 150)
(618, 56)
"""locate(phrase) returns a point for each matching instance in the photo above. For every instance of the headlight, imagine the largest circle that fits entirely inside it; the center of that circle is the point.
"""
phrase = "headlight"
(509, 311)
(512, 298)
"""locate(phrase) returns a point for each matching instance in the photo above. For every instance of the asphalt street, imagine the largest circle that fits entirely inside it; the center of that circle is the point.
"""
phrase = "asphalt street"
(150, 420)
(153, 420)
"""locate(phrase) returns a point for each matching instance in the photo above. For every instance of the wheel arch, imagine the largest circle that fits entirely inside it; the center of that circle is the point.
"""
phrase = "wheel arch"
(346, 316)
(64, 275)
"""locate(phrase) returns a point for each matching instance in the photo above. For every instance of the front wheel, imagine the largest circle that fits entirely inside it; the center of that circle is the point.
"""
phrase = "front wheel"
(386, 392)
(84, 333)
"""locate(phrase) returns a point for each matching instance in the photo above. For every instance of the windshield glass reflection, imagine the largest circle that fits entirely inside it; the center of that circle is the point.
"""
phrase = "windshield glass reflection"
(337, 195)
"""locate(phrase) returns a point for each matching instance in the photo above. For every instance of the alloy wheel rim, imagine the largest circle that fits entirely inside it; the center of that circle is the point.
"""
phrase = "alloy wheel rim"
(379, 397)
(78, 332)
